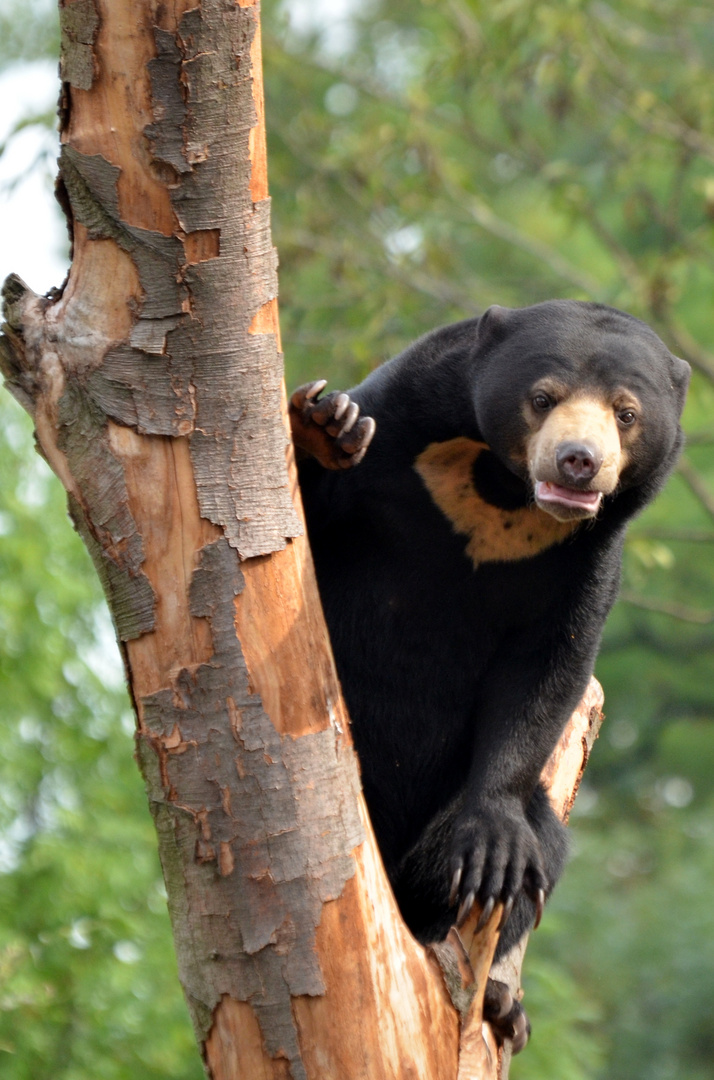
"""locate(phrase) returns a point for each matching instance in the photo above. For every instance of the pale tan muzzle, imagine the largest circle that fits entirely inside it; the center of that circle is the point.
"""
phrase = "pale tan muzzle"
(578, 420)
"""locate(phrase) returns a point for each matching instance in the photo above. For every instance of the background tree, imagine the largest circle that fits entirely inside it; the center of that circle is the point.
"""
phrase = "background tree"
(431, 160)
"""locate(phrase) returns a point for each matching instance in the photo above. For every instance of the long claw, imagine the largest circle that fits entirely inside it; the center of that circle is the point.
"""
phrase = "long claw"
(362, 435)
(466, 905)
(369, 426)
(316, 388)
(486, 913)
(455, 882)
(350, 418)
(341, 405)
(540, 904)
(506, 1005)
(521, 1032)
(505, 915)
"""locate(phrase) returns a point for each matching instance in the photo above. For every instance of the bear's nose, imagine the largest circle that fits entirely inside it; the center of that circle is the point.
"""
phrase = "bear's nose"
(578, 462)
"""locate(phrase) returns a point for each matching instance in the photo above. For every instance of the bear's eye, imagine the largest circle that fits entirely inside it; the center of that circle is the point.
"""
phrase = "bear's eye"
(627, 417)
(542, 402)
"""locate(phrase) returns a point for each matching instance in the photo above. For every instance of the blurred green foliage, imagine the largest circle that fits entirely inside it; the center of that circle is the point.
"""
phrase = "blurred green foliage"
(427, 158)
(28, 31)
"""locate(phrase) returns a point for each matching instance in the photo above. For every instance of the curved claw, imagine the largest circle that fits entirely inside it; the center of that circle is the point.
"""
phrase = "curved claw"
(506, 1003)
(367, 426)
(521, 1033)
(315, 389)
(505, 1015)
(540, 904)
(466, 904)
(329, 428)
(486, 913)
(350, 417)
(506, 913)
(455, 882)
(341, 406)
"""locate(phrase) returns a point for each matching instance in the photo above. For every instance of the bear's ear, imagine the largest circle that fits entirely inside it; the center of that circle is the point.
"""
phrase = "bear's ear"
(493, 325)
(681, 372)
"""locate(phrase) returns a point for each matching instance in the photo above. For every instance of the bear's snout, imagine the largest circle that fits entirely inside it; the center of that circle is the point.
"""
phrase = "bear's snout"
(576, 447)
(578, 462)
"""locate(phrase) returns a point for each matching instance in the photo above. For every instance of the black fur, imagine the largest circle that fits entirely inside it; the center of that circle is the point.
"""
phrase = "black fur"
(459, 680)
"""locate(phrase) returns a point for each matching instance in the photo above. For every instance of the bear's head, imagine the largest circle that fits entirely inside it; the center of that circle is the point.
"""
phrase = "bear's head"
(579, 399)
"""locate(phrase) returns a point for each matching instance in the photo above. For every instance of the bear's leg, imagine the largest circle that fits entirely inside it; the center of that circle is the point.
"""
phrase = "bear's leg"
(420, 885)
(421, 889)
(506, 1015)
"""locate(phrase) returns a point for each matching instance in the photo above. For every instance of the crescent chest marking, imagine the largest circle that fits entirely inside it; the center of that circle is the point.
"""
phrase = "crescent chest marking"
(494, 534)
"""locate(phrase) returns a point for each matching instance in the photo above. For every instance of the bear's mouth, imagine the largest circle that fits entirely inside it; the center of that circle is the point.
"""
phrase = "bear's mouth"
(565, 501)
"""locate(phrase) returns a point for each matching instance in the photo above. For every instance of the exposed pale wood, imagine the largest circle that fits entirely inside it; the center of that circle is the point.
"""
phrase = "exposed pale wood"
(479, 1051)
(403, 1023)
(564, 771)
(162, 497)
(110, 119)
(280, 623)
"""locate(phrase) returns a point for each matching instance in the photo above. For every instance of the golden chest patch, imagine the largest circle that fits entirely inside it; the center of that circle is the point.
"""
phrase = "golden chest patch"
(494, 535)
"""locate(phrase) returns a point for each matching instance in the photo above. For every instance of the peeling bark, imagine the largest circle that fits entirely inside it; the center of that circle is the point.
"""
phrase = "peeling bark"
(154, 380)
(79, 22)
(259, 825)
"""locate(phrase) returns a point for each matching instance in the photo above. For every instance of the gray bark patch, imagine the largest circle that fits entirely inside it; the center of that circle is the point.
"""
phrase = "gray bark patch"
(257, 828)
(91, 183)
(105, 521)
(167, 134)
(79, 23)
(102, 517)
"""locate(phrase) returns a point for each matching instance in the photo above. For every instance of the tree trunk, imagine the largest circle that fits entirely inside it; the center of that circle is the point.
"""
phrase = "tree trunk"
(154, 379)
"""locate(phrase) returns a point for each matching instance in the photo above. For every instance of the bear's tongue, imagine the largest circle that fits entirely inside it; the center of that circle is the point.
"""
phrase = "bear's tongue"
(554, 493)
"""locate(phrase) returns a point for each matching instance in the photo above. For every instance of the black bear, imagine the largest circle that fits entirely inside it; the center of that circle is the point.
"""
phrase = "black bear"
(466, 569)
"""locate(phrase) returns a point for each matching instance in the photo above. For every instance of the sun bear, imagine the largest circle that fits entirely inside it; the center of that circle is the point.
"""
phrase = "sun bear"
(466, 568)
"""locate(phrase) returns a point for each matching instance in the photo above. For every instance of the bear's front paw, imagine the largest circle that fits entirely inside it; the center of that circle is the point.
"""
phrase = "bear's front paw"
(495, 855)
(330, 427)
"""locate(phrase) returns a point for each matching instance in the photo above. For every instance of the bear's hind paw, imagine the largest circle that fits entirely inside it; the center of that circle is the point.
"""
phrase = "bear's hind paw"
(506, 1016)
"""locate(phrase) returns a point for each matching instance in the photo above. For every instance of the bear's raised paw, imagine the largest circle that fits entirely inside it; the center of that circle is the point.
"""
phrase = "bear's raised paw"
(329, 428)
